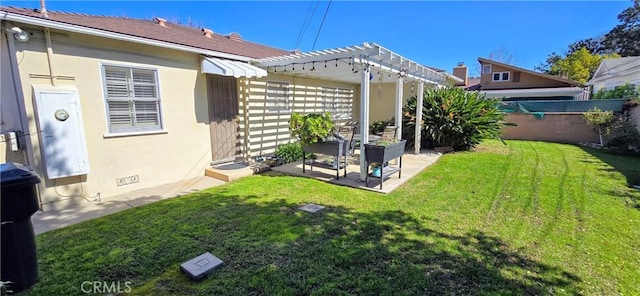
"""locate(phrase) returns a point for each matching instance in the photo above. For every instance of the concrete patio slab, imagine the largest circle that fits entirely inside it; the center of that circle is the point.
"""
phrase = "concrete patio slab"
(57, 215)
(411, 165)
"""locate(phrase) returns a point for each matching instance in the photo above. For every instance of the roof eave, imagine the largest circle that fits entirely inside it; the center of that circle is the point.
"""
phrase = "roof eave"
(14, 17)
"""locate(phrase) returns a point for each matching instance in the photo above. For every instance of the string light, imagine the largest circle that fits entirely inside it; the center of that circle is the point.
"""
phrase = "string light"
(325, 63)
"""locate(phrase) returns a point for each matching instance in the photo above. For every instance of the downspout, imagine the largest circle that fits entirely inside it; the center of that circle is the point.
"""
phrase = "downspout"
(29, 157)
(47, 36)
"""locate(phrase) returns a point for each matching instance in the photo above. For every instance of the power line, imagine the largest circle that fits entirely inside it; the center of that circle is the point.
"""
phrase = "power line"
(322, 23)
(306, 22)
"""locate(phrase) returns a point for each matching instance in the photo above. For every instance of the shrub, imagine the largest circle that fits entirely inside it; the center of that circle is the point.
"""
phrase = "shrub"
(454, 117)
(625, 137)
(626, 91)
(311, 128)
(290, 152)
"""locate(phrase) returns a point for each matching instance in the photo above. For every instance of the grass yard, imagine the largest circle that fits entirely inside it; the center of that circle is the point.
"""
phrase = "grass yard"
(526, 218)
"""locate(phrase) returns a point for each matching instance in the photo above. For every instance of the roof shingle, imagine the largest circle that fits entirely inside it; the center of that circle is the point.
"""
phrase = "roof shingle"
(172, 33)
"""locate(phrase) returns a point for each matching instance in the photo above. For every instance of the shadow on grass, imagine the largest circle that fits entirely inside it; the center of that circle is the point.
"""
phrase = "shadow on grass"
(628, 166)
(271, 248)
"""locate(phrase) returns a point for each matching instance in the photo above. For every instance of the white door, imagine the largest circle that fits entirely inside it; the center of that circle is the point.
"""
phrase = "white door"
(61, 131)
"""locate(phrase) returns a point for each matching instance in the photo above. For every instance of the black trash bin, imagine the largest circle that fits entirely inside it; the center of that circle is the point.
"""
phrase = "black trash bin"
(18, 201)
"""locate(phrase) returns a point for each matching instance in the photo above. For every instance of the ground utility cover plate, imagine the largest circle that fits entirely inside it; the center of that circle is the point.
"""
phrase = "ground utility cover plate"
(198, 267)
(311, 208)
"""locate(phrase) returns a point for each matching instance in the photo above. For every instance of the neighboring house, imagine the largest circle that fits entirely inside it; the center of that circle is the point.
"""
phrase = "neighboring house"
(466, 82)
(614, 72)
(499, 80)
(106, 105)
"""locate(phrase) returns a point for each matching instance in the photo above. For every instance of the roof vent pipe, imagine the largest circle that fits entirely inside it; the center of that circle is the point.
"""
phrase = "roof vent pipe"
(235, 37)
(43, 9)
(207, 33)
(160, 21)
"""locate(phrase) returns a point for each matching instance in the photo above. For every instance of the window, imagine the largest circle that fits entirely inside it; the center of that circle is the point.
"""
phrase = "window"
(278, 97)
(133, 102)
(486, 69)
(338, 101)
(500, 76)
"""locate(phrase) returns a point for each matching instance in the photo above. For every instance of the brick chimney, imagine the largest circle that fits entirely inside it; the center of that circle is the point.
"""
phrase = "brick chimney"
(207, 33)
(461, 72)
(160, 21)
(235, 37)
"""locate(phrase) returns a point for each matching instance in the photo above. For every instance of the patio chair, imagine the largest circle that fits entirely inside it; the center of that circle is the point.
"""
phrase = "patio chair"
(346, 132)
(389, 133)
(351, 124)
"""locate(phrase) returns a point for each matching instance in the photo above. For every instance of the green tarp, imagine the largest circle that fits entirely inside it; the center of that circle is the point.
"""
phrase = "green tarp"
(538, 108)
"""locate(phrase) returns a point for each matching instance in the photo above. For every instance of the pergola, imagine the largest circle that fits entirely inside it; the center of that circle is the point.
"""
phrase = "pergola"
(354, 64)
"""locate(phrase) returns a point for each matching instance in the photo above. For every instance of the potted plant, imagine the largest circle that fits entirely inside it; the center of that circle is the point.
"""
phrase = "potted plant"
(379, 154)
(311, 128)
(314, 131)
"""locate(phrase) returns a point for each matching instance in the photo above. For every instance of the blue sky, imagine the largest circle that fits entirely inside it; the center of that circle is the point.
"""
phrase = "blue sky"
(434, 33)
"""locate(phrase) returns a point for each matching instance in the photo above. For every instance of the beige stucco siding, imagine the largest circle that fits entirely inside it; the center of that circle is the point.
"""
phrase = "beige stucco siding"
(526, 80)
(9, 112)
(181, 153)
(382, 100)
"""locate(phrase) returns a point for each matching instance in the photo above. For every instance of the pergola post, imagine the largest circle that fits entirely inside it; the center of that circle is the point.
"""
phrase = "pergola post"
(418, 136)
(364, 118)
(399, 86)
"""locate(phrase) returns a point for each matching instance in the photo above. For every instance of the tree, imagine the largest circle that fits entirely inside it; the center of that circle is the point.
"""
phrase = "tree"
(578, 66)
(546, 67)
(625, 37)
(600, 121)
(622, 40)
(500, 54)
(593, 45)
(503, 55)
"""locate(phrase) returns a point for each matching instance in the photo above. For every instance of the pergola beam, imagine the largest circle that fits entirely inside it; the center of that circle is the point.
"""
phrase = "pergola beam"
(374, 54)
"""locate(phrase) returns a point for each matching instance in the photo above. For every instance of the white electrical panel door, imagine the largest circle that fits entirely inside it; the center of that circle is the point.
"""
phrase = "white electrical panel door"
(61, 131)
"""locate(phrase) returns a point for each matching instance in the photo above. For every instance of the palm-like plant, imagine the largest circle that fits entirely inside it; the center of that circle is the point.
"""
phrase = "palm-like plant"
(454, 117)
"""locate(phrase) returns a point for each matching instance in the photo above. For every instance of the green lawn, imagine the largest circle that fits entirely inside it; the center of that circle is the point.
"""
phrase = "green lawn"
(526, 218)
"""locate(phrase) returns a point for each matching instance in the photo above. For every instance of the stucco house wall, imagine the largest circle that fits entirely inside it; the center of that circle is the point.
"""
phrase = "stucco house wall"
(179, 153)
(9, 110)
(382, 99)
